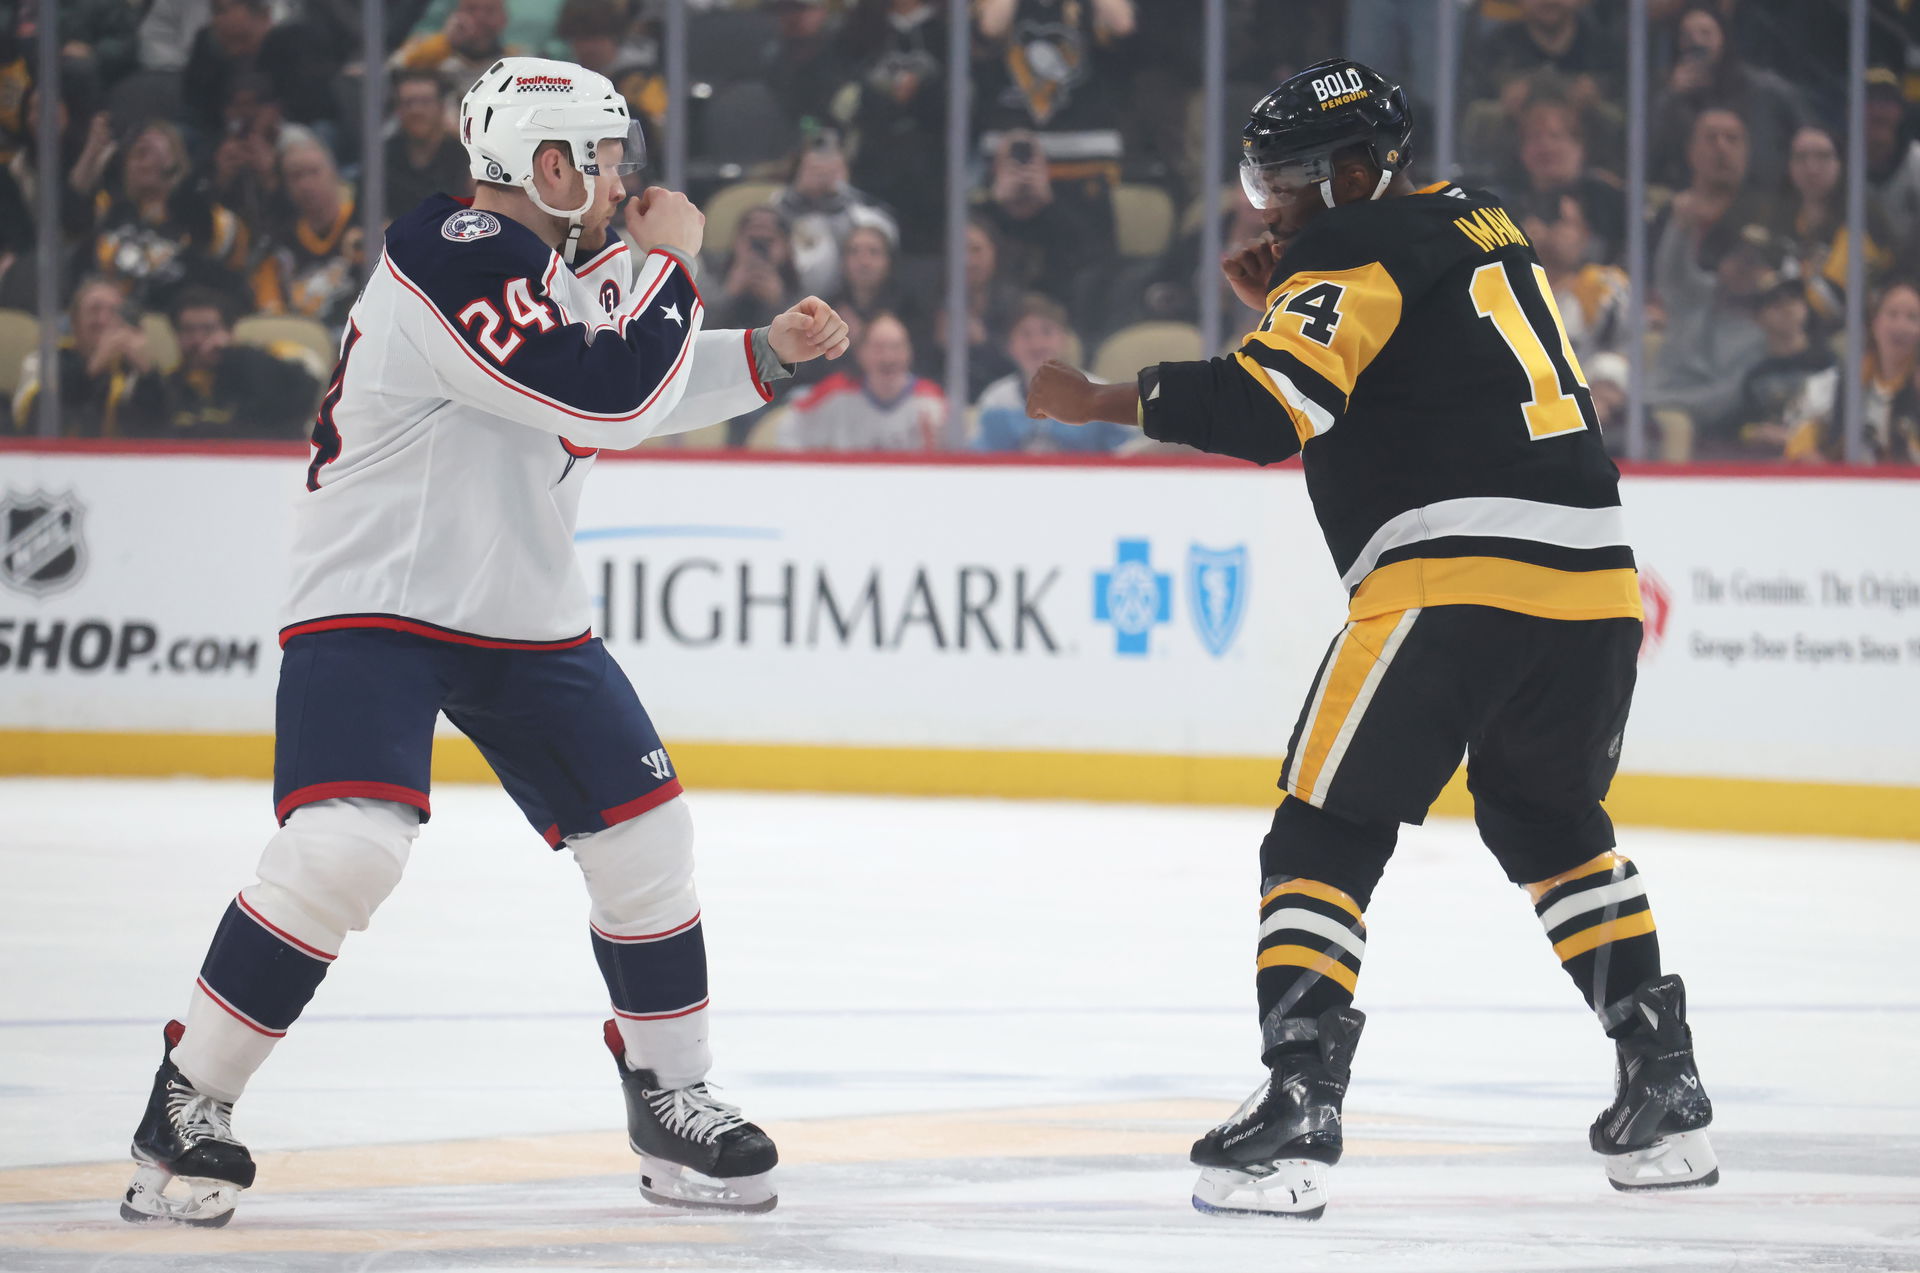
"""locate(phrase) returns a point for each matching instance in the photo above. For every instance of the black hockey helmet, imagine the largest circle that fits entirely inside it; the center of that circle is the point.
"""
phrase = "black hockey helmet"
(1296, 130)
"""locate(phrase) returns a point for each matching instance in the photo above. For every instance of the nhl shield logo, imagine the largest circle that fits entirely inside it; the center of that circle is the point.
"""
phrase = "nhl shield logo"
(1217, 594)
(41, 551)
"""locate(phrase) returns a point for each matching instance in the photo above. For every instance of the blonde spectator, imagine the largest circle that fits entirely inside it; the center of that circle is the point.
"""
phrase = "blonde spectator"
(154, 233)
(885, 408)
(108, 385)
(314, 268)
(1892, 401)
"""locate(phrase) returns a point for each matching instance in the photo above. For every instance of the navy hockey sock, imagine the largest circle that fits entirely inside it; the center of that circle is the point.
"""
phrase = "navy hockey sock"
(654, 976)
(262, 975)
(1601, 927)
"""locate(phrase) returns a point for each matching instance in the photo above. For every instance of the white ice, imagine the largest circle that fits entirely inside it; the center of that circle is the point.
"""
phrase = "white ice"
(983, 1032)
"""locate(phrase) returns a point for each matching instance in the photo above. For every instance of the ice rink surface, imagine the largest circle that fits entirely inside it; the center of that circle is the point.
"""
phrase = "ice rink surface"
(983, 1033)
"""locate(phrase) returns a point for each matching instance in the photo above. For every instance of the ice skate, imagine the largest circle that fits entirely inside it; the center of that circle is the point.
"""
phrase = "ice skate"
(695, 1151)
(1653, 1135)
(1271, 1157)
(186, 1136)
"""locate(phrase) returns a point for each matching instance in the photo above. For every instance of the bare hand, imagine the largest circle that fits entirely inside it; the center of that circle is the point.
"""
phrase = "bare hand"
(100, 134)
(809, 330)
(1689, 75)
(662, 218)
(1249, 269)
(1059, 392)
(133, 347)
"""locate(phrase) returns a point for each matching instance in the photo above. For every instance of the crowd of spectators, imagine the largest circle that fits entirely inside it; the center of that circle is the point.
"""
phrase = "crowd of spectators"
(212, 152)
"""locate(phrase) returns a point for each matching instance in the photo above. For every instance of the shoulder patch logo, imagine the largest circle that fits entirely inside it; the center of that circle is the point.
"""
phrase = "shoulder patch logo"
(468, 224)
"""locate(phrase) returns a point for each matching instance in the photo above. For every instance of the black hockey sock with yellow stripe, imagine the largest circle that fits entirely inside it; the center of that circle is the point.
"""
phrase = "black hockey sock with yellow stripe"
(1312, 938)
(1601, 927)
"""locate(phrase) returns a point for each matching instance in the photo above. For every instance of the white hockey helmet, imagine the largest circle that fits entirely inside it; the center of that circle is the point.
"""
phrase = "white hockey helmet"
(519, 103)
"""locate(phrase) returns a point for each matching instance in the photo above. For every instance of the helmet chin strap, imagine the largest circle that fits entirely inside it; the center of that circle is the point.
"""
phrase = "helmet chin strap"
(1379, 188)
(573, 218)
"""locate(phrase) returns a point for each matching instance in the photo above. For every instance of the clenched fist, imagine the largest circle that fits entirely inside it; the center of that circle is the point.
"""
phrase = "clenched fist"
(662, 218)
(1249, 270)
(1063, 393)
(808, 331)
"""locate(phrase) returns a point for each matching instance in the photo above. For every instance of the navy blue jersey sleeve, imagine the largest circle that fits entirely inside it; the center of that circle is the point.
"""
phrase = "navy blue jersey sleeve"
(502, 336)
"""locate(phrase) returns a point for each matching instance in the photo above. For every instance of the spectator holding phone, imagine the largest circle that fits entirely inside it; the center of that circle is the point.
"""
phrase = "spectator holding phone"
(1045, 242)
(107, 379)
(1708, 75)
(759, 280)
(226, 390)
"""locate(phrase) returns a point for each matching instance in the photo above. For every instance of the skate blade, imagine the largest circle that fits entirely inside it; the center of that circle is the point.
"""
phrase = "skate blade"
(1683, 1160)
(1290, 1189)
(668, 1184)
(204, 1204)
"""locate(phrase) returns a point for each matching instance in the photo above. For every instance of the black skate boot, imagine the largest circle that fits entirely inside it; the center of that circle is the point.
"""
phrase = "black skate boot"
(694, 1150)
(1271, 1157)
(185, 1136)
(1653, 1135)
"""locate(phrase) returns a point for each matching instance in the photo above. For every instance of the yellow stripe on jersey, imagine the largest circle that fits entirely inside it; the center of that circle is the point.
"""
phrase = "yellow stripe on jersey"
(1600, 934)
(1500, 583)
(1314, 888)
(1592, 866)
(1368, 309)
(1320, 961)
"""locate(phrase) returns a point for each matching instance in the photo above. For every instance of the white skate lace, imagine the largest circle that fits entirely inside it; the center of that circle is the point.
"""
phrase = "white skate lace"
(694, 1113)
(198, 1116)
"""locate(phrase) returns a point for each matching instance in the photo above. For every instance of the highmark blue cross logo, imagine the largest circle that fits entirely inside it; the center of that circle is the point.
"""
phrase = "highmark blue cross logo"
(1133, 597)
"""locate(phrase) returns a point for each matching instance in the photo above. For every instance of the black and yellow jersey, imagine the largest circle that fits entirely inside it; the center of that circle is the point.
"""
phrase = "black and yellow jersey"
(1413, 353)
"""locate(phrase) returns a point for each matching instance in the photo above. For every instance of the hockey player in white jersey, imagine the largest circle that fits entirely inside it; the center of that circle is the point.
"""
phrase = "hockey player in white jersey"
(497, 346)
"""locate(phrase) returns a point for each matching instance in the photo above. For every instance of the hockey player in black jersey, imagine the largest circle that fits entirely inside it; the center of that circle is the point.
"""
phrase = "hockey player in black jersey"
(1410, 351)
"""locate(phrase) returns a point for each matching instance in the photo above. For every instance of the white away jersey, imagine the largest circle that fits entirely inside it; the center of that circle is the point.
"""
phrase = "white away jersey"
(478, 376)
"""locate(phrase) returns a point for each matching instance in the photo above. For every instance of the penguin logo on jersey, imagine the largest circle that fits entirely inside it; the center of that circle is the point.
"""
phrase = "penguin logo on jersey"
(41, 551)
(610, 295)
(468, 224)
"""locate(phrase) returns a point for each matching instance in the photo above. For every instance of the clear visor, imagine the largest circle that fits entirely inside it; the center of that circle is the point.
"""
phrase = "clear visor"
(624, 155)
(1269, 184)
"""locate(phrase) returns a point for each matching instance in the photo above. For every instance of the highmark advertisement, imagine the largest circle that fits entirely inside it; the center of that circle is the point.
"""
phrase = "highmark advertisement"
(1142, 612)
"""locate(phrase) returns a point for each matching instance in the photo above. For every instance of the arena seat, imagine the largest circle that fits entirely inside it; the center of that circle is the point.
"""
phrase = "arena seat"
(267, 330)
(1123, 354)
(19, 336)
(1142, 219)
